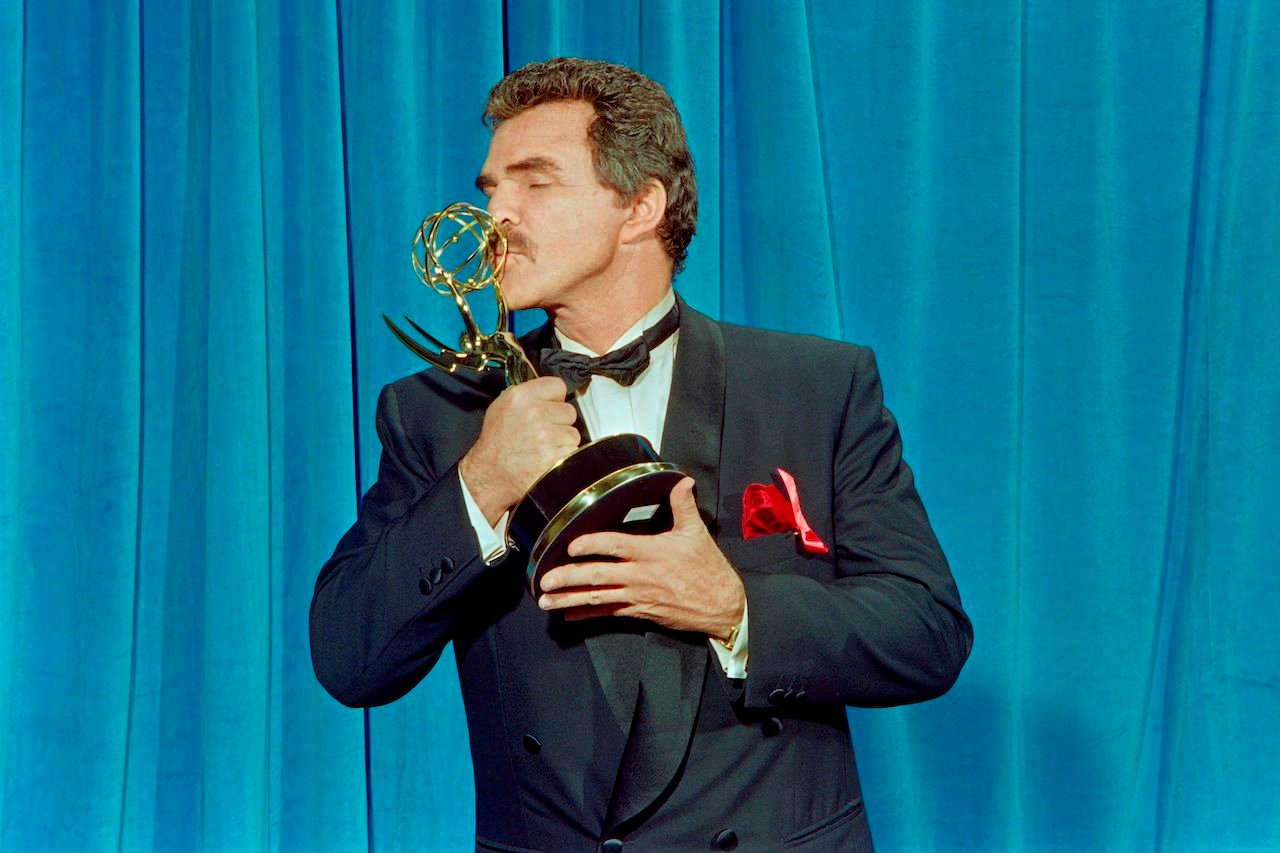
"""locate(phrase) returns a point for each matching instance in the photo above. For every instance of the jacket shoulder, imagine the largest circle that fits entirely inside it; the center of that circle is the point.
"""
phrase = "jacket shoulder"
(792, 357)
(433, 386)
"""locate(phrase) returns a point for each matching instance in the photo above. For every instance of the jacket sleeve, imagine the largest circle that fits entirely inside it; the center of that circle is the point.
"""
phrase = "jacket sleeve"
(888, 628)
(393, 593)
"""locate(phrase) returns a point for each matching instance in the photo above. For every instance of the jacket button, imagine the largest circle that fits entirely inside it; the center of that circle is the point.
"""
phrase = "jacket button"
(771, 726)
(436, 575)
(726, 839)
(446, 564)
(611, 845)
(777, 696)
(424, 586)
(531, 744)
(799, 694)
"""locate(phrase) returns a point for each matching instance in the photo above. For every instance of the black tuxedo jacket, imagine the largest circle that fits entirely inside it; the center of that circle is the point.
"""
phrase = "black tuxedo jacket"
(612, 734)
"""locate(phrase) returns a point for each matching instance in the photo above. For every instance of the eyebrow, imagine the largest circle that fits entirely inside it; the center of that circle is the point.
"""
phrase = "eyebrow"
(528, 164)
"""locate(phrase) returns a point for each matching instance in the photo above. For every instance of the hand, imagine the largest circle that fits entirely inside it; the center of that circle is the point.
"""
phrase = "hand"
(678, 579)
(527, 430)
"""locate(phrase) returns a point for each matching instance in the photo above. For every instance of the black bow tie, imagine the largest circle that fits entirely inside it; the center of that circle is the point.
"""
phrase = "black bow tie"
(623, 365)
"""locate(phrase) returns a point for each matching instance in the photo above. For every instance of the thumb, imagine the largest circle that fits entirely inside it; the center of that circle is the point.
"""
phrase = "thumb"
(684, 509)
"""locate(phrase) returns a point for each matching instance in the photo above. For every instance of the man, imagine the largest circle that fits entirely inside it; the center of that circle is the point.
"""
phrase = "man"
(677, 691)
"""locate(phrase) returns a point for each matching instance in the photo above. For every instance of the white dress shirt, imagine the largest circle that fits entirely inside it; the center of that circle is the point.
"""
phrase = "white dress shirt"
(609, 409)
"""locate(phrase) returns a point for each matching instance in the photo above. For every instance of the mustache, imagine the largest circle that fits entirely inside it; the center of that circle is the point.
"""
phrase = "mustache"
(517, 242)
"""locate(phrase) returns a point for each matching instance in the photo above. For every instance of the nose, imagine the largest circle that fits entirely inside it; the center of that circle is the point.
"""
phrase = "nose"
(502, 204)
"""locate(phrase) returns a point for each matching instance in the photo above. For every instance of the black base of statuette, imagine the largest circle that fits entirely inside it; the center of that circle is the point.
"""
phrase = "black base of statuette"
(617, 483)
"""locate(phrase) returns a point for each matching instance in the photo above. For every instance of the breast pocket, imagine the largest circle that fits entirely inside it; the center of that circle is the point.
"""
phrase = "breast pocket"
(763, 551)
(779, 553)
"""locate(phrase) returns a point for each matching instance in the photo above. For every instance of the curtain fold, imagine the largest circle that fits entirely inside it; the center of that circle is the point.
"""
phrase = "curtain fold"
(1057, 224)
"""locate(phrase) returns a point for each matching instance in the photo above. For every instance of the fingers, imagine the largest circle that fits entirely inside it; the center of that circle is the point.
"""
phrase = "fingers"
(562, 413)
(587, 589)
(684, 508)
(611, 599)
(582, 574)
(544, 388)
(619, 546)
(533, 414)
(543, 398)
(580, 585)
(526, 431)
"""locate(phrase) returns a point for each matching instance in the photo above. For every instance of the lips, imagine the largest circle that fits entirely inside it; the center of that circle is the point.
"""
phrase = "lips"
(508, 259)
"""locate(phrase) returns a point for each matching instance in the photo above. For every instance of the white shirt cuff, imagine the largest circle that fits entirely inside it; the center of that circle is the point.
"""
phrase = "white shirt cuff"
(734, 663)
(493, 540)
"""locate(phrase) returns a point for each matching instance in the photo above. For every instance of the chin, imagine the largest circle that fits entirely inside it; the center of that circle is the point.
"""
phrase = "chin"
(516, 298)
(521, 293)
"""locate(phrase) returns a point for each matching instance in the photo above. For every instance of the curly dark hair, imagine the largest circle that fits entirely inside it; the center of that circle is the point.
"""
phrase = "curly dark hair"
(636, 134)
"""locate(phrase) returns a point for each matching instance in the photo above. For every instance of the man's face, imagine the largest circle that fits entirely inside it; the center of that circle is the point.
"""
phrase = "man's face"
(562, 222)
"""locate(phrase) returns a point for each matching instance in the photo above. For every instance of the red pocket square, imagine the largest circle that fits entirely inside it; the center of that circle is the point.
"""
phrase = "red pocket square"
(768, 509)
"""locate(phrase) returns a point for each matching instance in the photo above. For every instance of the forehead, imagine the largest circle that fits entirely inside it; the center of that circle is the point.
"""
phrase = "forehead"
(557, 131)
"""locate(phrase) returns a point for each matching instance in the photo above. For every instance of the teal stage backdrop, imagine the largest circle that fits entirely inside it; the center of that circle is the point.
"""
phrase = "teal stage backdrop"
(1058, 224)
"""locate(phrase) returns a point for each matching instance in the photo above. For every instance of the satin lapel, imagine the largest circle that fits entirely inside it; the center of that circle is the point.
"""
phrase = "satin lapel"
(671, 682)
(695, 410)
(675, 665)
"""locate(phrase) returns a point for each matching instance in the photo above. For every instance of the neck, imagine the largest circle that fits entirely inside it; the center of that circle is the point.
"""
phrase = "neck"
(597, 324)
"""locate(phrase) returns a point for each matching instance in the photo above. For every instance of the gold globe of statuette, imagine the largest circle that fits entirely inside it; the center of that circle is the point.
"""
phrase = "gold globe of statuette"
(440, 240)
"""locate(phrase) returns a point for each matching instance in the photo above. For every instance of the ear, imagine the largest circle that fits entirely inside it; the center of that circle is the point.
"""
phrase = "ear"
(646, 211)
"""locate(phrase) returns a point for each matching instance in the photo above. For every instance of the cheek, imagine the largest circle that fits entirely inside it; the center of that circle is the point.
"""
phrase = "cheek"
(593, 234)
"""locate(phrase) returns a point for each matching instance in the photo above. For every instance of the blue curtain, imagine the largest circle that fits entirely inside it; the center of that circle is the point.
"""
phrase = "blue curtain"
(1057, 223)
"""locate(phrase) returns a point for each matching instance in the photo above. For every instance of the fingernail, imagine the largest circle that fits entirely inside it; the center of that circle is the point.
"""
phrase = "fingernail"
(544, 603)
